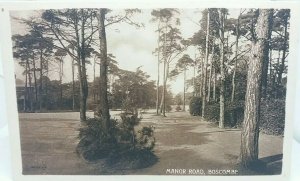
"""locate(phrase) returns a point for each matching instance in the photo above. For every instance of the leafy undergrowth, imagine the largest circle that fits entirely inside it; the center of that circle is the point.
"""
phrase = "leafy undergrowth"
(195, 106)
(272, 114)
(121, 147)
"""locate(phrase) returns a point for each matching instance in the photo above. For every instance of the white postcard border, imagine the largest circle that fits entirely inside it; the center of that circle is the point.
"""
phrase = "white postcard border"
(9, 82)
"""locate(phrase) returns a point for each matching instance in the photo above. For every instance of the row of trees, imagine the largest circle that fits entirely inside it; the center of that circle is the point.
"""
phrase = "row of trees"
(78, 34)
(252, 48)
(132, 90)
(254, 45)
(58, 31)
(224, 46)
(170, 46)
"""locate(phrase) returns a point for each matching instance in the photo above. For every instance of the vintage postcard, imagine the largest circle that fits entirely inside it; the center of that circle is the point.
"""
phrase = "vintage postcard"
(192, 91)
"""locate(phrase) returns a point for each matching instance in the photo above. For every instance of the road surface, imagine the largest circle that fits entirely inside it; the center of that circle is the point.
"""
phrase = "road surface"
(183, 143)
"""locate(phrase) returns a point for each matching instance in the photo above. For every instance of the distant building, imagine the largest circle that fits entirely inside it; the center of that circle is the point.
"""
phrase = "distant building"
(23, 101)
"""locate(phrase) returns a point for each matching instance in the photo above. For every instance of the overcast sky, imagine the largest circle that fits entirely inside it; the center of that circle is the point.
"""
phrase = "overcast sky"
(132, 47)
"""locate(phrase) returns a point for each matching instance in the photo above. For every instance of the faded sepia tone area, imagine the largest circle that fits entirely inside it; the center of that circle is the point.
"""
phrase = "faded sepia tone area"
(151, 91)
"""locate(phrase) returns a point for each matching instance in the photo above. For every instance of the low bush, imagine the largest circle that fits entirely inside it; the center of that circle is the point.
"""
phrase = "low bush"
(94, 142)
(178, 108)
(168, 108)
(195, 106)
(234, 113)
(123, 146)
(272, 116)
(212, 111)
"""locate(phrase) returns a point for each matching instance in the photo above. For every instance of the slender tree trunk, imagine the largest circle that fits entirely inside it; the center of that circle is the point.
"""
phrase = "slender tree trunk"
(210, 72)
(82, 98)
(184, 80)
(164, 73)
(194, 76)
(250, 130)
(83, 66)
(233, 81)
(201, 77)
(46, 84)
(163, 96)
(104, 107)
(278, 60)
(235, 57)
(41, 81)
(205, 66)
(214, 86)
(270, 65)
(266, 64)
(30, 96)
(158, 63)
(35, 84)
(60, 81)
(80, 68)
(270, 72)
(73, 85)
(26, 87)
(30, 93)
(209, 83)
(94, 82)
(275, 77)
(162, 99)
(222, 70)
(282, 65)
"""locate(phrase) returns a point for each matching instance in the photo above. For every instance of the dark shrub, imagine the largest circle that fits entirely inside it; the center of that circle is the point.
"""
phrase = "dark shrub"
(195, 106)
(178, 108)
(126, 132)
(272, 116)
(212, 111)
(135, 149)
(94, 142)
(122, 147)
(168, 108)
(234, 113)
(146, 139)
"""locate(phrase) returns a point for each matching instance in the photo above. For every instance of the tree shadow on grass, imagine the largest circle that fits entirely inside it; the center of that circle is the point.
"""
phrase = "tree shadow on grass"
(271, 165)
(134, 159)
(221, 131)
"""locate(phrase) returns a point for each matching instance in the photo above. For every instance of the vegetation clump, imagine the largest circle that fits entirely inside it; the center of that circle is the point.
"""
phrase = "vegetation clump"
(195, 106)
(272, 116)
(212, 111)
(121, 146)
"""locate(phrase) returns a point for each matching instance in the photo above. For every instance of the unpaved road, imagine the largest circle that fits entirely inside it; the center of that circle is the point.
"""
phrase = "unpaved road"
(48, 142)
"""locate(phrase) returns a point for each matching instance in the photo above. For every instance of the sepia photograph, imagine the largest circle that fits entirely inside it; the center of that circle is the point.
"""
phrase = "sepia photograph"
(165, 91)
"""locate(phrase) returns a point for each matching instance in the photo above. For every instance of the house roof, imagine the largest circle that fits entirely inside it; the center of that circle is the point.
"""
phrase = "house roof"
(20, 83)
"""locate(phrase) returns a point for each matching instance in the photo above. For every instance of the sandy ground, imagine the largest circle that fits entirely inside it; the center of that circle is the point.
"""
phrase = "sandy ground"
(183, 142)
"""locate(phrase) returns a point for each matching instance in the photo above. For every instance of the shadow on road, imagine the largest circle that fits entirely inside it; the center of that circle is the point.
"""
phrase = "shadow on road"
(270, 165)
(273, 163)
(273, 158)
(221, 131)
